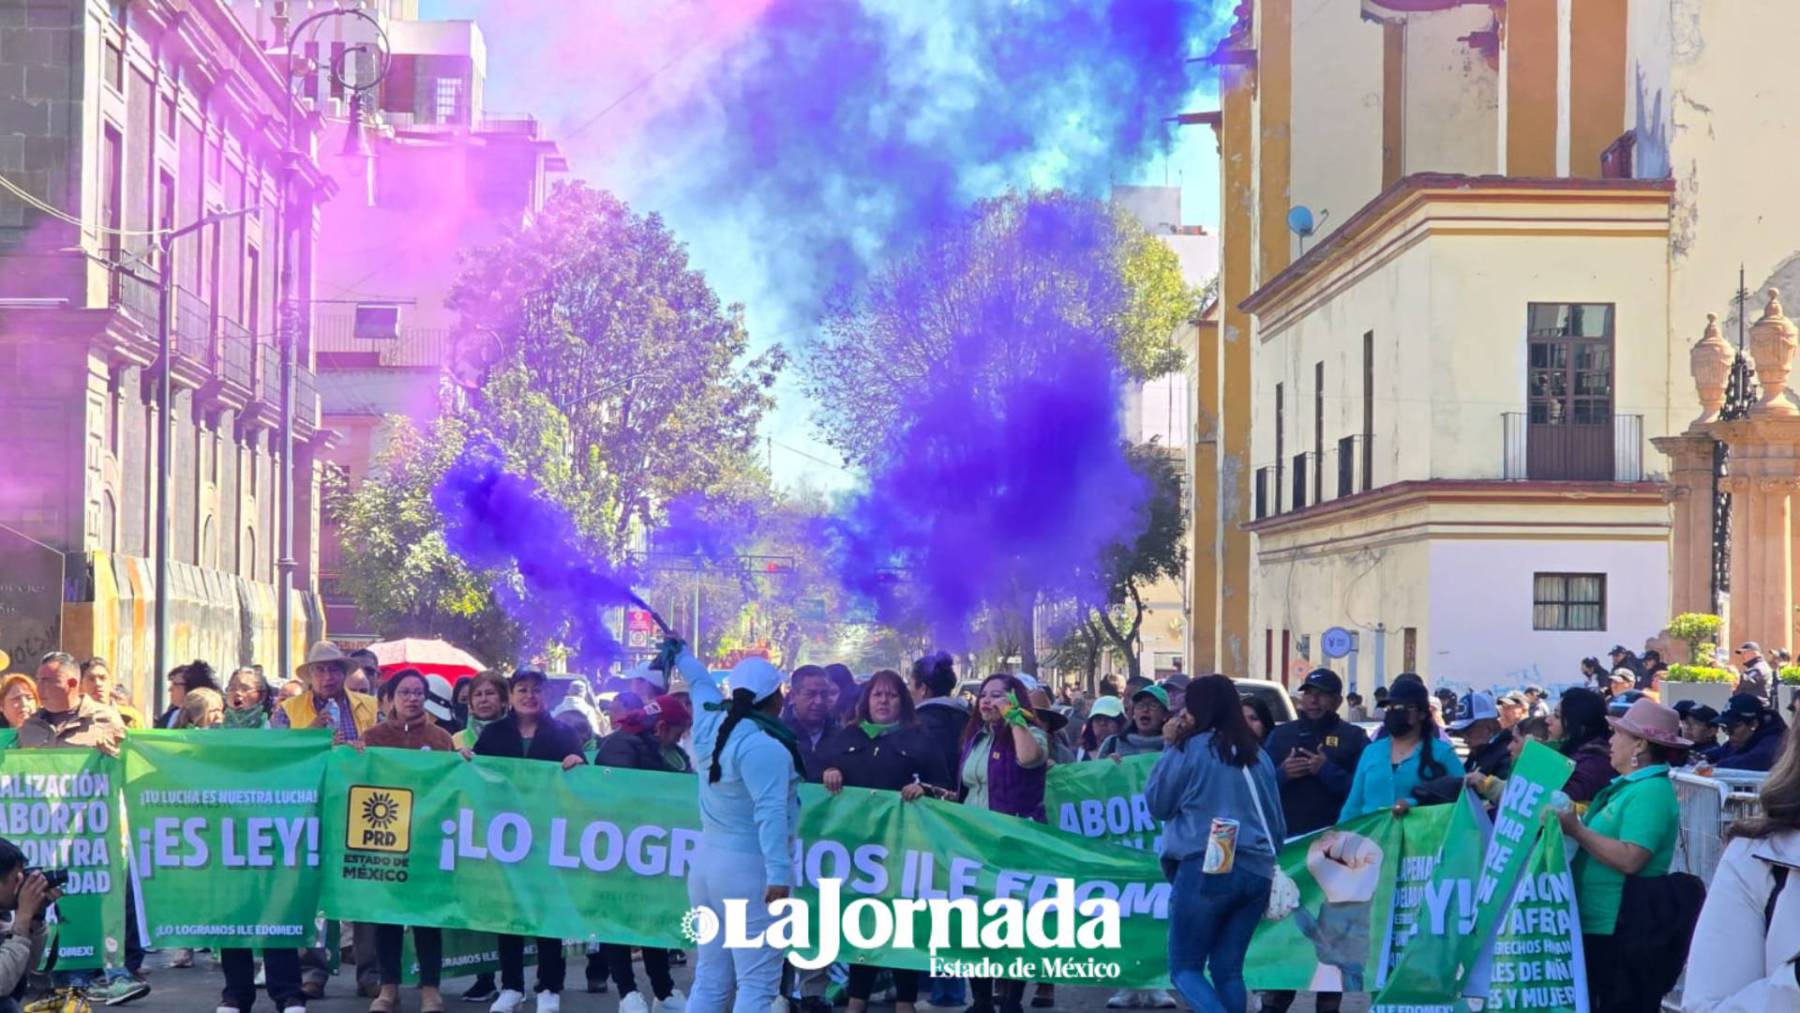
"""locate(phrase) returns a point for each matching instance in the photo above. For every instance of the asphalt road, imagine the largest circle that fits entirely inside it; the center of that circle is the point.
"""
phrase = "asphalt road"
(196, 990)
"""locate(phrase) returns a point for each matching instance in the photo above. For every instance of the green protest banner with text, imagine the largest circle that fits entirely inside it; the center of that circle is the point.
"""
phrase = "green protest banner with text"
(526, 848)
(8, 736)
(1104, 801)
(1538, 962)
(1346, 876)
(60, 806)
(225, 834)
(1471, 887)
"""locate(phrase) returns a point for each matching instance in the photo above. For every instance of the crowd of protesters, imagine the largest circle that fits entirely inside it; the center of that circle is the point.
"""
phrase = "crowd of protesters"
(1222, 759)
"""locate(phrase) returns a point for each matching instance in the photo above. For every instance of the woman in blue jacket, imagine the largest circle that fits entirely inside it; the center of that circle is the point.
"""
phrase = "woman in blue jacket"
(1215, 769)
(1392, 766)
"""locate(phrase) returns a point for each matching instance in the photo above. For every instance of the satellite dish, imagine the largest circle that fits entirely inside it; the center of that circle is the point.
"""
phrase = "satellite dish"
(1300, 221)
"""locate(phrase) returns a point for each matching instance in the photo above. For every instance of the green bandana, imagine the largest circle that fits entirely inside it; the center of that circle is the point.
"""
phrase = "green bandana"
(245, 717)
(876, 730)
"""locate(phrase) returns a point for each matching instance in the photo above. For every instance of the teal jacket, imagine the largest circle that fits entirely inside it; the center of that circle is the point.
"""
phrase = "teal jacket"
(1379, 784)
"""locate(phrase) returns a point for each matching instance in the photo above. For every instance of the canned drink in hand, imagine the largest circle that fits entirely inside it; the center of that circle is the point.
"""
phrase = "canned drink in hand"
(1221, 847)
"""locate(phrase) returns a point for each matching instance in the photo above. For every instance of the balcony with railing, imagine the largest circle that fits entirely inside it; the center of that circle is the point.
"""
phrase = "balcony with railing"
(1539, 446)
(191, 328)
(403, 346)
(129, 288)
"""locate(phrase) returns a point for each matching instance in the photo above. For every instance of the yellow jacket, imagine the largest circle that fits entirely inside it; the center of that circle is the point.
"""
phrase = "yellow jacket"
(301, 712)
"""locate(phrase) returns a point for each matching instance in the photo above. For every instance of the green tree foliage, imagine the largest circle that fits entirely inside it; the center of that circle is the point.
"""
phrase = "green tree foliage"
(605, 368)
(1159, 552)
(880, 348)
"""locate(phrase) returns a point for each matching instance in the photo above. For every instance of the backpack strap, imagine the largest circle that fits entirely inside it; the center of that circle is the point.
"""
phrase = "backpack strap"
(1781, 877)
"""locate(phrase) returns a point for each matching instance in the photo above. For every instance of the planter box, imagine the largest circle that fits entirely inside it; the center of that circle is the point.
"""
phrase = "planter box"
(1712, 694)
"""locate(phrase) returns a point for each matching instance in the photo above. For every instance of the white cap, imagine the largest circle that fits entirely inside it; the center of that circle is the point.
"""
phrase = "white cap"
(1029, 682)
(656, 678)
(757, 676)
(438, 696)
(1476, 707)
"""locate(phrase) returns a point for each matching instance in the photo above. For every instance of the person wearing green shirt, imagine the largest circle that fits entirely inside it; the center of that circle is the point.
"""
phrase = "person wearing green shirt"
(1628, 830)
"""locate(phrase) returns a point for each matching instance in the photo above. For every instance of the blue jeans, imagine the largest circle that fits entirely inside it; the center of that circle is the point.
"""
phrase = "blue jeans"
(1211, 918)
(949, 991)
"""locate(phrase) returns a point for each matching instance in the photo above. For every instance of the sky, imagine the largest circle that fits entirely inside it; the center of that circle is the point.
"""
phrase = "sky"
(793, 143)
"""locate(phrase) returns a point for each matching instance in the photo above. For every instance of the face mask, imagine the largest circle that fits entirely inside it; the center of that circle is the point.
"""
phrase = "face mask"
(1397, 721)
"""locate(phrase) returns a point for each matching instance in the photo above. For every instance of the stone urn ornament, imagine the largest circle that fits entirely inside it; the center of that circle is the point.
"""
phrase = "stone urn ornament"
(1773, 339)
(1710, 362)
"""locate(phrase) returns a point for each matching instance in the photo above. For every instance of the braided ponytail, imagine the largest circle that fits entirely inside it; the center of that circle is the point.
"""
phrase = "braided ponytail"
(743, 701)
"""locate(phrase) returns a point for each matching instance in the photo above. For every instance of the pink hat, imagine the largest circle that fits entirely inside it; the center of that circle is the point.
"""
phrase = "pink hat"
(1652, 722)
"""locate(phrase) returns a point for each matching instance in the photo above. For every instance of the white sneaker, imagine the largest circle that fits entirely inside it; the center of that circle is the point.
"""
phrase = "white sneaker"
(633, 1002)
(509, 1002)
(1124, 998)
(227, 1009)
(294, 1009)
(675, 1003)
(1160, 999)
(780, 1005)
(551, 1002)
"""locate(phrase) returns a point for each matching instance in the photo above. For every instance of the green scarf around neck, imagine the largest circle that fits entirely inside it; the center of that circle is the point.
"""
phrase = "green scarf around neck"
(779, 732)
(875, 729)
(245, 717)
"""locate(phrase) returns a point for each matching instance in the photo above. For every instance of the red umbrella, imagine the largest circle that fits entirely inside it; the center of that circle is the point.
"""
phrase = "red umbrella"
(433, 657)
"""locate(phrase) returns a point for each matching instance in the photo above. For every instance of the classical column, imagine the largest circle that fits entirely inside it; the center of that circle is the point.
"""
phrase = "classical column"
(1765, 473)
(1690, 476)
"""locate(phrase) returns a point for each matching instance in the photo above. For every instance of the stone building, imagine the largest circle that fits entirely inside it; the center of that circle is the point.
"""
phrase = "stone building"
(1457, 355)
(116, 121)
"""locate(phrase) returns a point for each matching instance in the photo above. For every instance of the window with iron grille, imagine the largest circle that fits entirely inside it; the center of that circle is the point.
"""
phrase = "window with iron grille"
(1568, 601)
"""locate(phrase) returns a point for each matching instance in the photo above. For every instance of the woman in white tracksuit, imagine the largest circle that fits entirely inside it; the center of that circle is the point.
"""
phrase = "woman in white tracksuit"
(749, 767)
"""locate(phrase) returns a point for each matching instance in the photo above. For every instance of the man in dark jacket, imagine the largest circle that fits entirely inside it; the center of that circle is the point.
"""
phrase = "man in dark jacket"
(646, 739)
(1752, 732)
(1315, 760)
(1490, 745)
(811, 712)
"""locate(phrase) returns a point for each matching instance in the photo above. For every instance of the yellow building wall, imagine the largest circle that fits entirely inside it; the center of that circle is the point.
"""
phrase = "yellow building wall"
(1337, 110)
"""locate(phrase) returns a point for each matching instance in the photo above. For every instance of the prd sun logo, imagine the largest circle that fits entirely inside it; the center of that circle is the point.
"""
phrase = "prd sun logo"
(380, 819)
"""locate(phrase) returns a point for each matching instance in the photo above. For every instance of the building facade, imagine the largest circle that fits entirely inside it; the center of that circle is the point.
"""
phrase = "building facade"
(117, 122)
(442, 175)
(1456, 355)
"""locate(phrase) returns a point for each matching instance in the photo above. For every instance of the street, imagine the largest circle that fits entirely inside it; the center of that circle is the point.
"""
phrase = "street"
(197, 988)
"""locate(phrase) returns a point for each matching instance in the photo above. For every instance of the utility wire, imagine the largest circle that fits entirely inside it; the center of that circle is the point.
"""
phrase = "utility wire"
(63, 216)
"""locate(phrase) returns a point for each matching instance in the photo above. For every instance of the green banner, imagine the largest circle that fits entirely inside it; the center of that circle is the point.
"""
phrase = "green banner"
(601, 853)
(1471, 886)
(1104, 801)
(1347, 877)
(8, 736)
(60, 806)
(1537, 961)
(225, 834)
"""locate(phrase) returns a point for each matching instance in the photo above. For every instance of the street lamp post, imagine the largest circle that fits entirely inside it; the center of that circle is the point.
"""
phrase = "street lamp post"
(287, 322)
(164, 410)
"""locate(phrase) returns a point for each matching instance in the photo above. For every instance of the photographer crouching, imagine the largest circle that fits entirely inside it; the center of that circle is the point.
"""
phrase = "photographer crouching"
(25, 895)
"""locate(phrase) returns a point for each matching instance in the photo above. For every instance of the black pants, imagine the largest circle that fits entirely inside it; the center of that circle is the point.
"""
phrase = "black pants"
(1611, 981)
(656, 968)
(1277, 1001)
(134, 946)
(1010, 998)
(551, 966)
(862, 982)
(281, 969)
(390, 943)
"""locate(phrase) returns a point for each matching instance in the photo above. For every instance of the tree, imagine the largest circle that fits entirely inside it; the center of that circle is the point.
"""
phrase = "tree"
(1157, 552)
(610, 374)
(977, 379)
(397, 568)
(600, 310)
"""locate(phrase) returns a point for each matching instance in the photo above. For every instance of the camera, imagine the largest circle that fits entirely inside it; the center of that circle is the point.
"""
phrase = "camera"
(55, 879)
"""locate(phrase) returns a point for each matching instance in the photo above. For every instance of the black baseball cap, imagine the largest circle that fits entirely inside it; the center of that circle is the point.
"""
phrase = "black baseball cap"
(1409, 692)
(1324, 680)
(1700, 712)
(525, 675)
(1742, 707)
